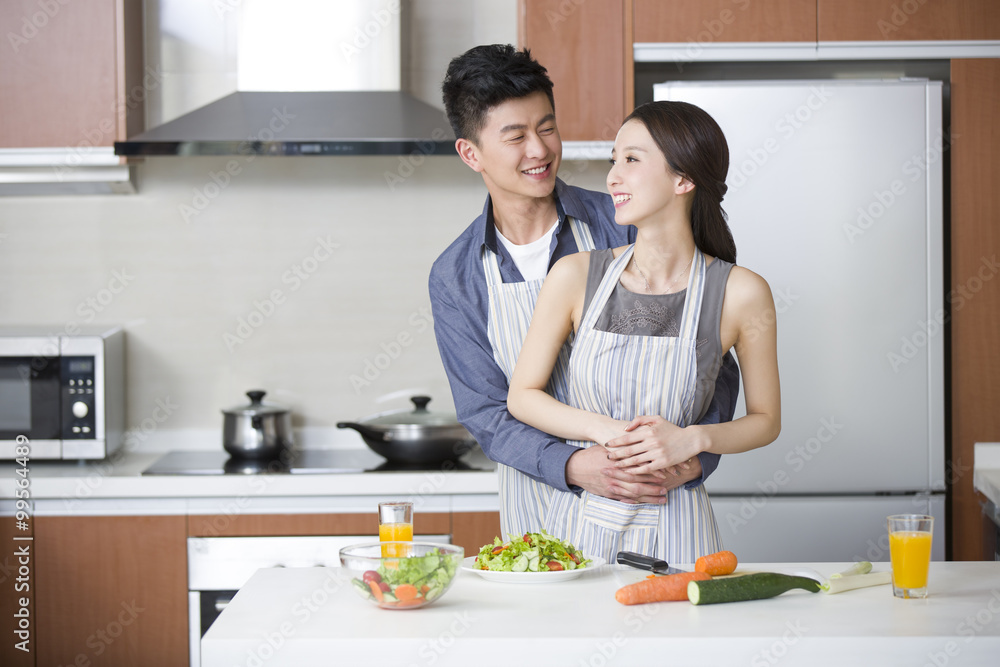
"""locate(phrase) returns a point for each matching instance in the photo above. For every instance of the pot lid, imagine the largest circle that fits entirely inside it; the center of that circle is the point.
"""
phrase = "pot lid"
(419, 416)
(256, 407)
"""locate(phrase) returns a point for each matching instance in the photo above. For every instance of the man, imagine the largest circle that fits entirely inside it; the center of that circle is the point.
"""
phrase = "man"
(484, 286)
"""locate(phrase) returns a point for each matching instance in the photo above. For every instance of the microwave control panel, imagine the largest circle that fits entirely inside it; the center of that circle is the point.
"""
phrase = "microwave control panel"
(79, 409)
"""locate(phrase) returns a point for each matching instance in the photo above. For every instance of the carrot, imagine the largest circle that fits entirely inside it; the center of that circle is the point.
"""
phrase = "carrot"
(405, 592)
(376, 591)
(659, 589)
(416, 602)
(717, 564)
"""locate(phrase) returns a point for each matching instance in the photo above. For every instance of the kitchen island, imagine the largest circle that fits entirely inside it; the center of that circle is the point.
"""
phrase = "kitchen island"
(311, 616)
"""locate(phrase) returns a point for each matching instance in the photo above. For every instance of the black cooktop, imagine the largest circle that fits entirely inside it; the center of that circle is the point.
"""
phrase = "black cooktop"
(306, 462)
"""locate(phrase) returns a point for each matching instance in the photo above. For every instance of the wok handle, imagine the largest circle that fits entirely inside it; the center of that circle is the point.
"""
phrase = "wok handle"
(365, 431)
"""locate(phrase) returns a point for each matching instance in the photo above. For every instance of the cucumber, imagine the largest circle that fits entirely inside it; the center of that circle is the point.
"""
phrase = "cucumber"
(362, 588)
(747, 587)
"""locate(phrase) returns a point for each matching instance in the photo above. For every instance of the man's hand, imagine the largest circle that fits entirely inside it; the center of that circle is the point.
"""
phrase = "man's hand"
(591, 470)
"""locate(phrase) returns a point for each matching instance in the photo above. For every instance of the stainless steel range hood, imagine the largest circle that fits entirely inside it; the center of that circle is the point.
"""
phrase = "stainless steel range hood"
(312, 78)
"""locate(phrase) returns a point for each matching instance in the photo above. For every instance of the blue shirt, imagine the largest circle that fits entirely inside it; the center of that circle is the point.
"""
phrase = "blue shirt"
(460, 306)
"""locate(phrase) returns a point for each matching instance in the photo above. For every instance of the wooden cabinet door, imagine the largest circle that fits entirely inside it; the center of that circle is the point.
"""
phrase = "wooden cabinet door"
(587, 49)
(713, 21)
(111, 591)
(16, 585)
(975, 288)
(250, 525)
(64, 79)
(889, 20)
(471, 530)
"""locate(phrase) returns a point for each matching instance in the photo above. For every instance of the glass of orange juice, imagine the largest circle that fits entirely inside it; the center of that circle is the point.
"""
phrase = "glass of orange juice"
(910, 552)
(395, 524)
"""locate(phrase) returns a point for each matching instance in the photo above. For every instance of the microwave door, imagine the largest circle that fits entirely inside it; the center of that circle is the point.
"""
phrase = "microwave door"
(30, 406)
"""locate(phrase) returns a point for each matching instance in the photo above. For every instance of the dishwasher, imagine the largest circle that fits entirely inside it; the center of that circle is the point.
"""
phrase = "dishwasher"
(219, 566)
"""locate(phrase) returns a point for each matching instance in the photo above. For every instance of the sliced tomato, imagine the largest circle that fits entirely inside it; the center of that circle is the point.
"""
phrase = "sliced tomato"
(371, 575)
(573, 557)
(554, 565)
(384, 586)
(527, 538)
(498, 549)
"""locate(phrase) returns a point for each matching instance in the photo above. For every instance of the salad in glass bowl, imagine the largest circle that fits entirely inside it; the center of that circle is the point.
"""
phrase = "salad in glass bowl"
(417, 575)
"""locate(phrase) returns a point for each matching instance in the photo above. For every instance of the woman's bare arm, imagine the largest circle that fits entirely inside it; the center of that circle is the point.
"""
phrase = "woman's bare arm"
(556, 315)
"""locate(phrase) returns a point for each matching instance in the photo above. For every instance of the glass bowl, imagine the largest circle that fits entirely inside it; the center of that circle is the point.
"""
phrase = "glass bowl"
(401, 575)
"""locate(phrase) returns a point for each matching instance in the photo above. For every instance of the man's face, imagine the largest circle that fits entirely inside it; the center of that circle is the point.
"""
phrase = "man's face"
(519, 149)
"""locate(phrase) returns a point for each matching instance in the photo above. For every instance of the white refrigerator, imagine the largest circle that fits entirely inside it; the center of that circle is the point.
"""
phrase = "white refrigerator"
(836, 199)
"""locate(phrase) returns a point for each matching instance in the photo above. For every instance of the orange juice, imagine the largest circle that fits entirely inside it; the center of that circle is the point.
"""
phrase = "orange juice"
(910, 552)
(395, 532)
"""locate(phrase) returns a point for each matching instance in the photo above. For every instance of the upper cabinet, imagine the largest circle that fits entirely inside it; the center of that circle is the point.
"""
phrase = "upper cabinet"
(683, 21)
(73, 83)
(586, 47)
(64, 75)
(908, 20)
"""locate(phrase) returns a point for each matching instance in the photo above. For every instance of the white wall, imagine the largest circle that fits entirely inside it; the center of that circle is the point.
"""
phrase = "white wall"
(196, 256)
(192, 273)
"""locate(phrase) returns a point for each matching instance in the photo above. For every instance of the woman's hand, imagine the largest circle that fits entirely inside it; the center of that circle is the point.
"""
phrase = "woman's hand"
(651, 444)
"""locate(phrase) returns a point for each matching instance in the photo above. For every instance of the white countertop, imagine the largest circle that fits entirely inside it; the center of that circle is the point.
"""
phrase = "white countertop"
(305, 616)
(986, 470)
(117, 486)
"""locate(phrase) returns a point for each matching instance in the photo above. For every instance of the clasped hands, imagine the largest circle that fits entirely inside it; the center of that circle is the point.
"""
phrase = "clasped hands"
(639, 462)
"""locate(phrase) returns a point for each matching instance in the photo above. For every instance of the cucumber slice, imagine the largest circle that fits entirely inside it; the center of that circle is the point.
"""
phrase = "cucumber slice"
(363, 588)
(519, 565)
(748, 587)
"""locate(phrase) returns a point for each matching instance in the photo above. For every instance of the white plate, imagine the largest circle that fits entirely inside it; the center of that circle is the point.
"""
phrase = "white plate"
(469, 565)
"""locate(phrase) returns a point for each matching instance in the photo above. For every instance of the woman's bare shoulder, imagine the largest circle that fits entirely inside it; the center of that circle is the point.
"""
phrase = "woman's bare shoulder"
(572, 265)
(746, 289)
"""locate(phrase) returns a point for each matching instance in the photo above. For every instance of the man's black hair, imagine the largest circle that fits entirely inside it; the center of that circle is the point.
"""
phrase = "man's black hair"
(485, 77)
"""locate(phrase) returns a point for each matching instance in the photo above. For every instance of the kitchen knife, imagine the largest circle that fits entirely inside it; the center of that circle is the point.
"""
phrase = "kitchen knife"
(643, 562)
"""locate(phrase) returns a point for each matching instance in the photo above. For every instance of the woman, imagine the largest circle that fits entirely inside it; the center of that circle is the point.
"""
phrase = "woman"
(650, 324)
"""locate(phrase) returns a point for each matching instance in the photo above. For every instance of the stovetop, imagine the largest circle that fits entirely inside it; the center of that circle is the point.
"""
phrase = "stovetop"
(305, 462)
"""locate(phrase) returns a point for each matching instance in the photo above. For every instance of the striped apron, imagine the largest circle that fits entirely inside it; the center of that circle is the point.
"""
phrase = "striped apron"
(523, 500)
(626, 376)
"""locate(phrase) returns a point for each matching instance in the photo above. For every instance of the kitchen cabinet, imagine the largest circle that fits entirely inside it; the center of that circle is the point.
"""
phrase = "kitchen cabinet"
(725, 21)
(975, 288)
(255, 525)
(13, 580)
(917, 20)
(470, 530)
(72, 74)
(587, 49)
(111, 590)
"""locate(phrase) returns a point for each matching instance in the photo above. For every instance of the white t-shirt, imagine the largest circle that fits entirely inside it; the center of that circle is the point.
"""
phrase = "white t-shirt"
(531, 259)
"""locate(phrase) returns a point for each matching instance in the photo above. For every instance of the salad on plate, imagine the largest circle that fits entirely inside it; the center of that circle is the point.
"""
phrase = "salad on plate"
(532, 552)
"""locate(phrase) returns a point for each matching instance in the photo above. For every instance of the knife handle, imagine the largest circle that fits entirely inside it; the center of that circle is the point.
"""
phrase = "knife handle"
(641, 561)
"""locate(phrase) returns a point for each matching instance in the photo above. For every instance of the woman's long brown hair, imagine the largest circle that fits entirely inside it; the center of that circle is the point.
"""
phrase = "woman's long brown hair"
(695, 147)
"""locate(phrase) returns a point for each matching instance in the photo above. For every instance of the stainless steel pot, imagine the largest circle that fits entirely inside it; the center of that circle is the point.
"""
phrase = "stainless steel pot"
(414, 436)
(257, 431)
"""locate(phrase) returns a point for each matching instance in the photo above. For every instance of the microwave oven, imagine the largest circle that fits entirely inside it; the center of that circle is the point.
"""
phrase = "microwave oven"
(61, 394)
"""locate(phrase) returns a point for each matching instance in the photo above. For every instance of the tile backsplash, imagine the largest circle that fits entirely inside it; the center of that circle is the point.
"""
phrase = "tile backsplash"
(306, 277)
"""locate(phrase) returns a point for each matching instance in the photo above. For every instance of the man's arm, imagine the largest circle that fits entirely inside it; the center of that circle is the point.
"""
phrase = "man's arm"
(479, 388)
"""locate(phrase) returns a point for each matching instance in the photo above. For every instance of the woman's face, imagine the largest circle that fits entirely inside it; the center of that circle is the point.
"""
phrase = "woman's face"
(640, 181)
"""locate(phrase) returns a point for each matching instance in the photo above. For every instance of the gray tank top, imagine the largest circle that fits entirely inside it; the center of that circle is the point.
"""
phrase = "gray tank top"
(635, 314)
